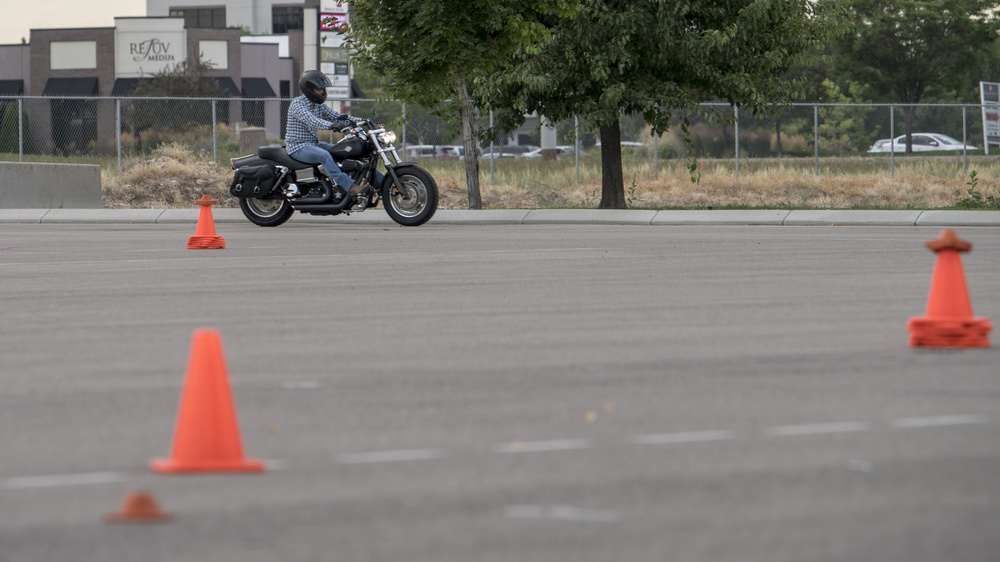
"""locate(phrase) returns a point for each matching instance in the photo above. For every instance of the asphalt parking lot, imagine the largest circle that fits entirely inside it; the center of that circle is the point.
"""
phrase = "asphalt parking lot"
(500, 392)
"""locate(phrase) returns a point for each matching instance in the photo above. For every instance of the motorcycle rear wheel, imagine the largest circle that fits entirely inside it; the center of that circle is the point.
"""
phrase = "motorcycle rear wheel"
(421, 196)
(266, 212)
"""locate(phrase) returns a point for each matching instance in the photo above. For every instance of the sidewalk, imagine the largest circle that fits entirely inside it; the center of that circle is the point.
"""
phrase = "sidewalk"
(537, 216)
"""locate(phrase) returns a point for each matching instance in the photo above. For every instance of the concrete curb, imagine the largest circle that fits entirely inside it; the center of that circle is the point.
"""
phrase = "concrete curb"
(763, 217)
(852, 218)
(722, 216)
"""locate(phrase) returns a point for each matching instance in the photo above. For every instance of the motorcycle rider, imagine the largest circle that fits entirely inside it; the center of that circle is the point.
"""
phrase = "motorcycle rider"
(307, 114)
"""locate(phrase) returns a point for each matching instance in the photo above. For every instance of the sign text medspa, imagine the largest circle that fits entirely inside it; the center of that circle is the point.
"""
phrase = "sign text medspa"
(151, 50)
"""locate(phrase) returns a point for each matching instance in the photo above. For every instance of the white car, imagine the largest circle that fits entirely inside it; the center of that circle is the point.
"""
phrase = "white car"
(507, 151)
(922, 142)
(566, 150)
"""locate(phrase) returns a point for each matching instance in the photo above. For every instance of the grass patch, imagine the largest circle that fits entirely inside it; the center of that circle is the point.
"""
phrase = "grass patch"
(174, 176)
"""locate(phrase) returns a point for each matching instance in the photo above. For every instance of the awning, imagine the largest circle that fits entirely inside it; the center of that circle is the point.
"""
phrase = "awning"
(229, 88)
(11, 87)
(71, 87)
(256, 88)
(124, 86)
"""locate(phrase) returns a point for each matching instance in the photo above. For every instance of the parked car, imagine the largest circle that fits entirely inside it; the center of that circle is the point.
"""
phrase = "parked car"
(433, 151)
(922, 142)
(450, 151)
(420, 151)
(506, 151)
(627, 146)
(566, 150)
(881, 145)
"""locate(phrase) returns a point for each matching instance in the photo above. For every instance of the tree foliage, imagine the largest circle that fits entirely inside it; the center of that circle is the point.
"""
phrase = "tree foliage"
(657, 58)
(10, 129)
(422, 48)
(430, 53)
(904, 49)
(179, 81)
(182, 80)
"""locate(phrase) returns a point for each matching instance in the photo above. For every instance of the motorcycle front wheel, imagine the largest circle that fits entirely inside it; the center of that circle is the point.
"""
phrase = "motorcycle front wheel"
(266, 212)
(418, 201)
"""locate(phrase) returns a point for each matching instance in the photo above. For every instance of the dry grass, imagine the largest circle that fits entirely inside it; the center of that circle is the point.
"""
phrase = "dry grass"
(173, 177)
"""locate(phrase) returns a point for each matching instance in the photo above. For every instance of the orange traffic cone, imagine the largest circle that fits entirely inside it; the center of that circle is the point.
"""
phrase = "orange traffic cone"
(949, 321)
(206, 437)
(139, 507)
(205, 237)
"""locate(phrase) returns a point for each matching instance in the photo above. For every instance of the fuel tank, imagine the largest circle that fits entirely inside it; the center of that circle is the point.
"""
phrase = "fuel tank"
(349, 147)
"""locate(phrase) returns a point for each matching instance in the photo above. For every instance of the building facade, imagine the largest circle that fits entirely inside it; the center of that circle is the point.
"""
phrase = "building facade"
(80, 70)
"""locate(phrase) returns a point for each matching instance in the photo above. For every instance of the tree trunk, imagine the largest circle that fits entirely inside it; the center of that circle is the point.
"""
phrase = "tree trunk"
(469, 141)
(612, 182)
(909, 114)
(777, 137)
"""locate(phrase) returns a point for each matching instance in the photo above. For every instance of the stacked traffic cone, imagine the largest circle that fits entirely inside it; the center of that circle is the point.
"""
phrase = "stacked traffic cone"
(206, 437)
(139, 507)
(205, 237)
(949, 321)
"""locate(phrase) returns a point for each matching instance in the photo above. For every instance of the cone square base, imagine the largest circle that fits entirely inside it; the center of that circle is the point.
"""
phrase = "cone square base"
(206, 243)
(949, 332)
(171, 466)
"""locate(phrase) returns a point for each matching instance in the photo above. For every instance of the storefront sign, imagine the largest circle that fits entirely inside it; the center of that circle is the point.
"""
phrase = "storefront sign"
(333, 55)
(144, 53)
(990, 93)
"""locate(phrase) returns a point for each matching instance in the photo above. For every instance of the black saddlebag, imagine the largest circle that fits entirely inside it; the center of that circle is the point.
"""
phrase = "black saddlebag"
(253, 181)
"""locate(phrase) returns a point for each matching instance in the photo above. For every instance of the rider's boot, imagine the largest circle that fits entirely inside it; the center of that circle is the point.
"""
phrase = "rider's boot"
(333, 183)
(359, 194)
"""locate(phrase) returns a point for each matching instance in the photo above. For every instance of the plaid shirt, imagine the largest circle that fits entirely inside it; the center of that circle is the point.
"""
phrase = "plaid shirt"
(306, 117)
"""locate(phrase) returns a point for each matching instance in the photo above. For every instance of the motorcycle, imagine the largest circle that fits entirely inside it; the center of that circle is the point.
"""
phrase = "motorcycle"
(272, 185)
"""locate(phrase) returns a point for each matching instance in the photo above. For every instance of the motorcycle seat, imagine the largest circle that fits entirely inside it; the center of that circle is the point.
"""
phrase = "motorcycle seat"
(277, 153)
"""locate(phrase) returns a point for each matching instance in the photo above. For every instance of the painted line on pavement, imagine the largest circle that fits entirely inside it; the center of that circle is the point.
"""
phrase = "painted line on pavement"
(391, 456)
(542, 446)
(30, 482)
(90, 478)
(816, 429)
(682, 437)
(938, 421)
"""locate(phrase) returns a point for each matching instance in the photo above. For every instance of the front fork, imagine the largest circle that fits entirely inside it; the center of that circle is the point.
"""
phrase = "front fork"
(396, 185)
(381, 152)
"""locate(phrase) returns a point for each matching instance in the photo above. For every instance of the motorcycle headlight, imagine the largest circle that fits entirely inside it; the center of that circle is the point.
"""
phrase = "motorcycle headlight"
(388, 137)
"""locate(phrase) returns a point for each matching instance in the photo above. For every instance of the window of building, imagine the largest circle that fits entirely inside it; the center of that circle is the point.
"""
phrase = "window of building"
(201, 17)
(284, 18)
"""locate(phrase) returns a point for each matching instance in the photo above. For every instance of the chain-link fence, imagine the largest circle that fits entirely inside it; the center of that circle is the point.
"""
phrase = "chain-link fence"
(810, 135)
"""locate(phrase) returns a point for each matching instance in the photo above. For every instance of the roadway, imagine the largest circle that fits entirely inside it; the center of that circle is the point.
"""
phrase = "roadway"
(495, 392)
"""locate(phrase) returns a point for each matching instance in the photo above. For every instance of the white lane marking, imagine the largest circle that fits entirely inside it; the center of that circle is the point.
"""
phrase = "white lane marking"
(816, 429)
(682, 437)
(938, 421)
(391, 456)
(563, 512)
(28, 482)
(542, 446)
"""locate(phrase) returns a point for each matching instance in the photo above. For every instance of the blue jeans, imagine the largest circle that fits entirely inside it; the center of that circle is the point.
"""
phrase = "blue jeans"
(320, 154)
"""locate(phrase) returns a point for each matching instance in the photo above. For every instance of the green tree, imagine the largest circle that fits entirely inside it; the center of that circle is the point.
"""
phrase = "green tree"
(9, 129)
(182, 80)
(433, 53)
(842, 128)
(658, 57)
(905, 48)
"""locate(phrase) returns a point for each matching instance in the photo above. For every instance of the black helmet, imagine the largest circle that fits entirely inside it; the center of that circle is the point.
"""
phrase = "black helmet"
(313, 84)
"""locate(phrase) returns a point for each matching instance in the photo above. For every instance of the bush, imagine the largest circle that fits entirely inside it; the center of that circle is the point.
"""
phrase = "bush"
(9, 130)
